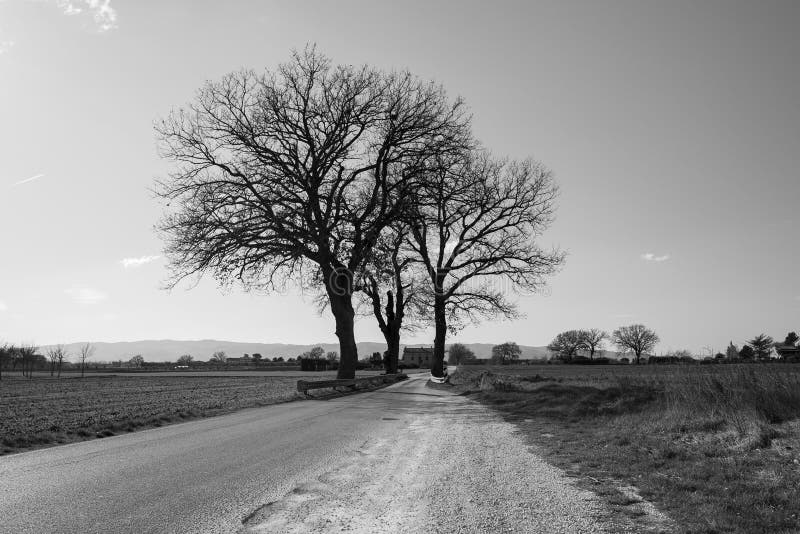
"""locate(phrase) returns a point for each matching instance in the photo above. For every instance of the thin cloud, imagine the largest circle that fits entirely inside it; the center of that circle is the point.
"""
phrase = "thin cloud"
(26, 180)
(137, 262)
(3, 306)
(85, 295)
(104, 16)
(5, 46)
(649, 256)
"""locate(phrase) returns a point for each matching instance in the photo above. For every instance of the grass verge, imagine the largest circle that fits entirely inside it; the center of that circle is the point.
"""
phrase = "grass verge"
(716, 449)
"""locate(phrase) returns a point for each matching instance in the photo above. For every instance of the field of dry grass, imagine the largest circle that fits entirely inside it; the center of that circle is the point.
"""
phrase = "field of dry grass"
(715, 447)
(43, 411)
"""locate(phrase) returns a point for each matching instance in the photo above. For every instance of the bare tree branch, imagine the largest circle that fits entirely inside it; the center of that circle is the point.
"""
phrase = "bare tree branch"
(475, 222)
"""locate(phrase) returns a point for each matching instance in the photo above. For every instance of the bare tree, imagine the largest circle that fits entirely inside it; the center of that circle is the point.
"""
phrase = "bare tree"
(506, 352)
(137, 360)
(6, 351)
(566, 344)
(459, 353)
(636, 338)
(84, 353)
(187, 359)
(293, 175)
(316, 353)
(28, 355)
(332, 356)
(62, 357)
(475, 224)
(219, 357)
(593, 340)
(393, 268)
(15, 355)
(56, 356)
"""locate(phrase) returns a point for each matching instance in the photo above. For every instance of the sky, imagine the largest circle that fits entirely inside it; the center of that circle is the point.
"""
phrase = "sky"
(673, 130)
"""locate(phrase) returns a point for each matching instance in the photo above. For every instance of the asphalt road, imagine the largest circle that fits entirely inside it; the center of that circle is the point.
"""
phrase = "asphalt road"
(223, 474)
(206, 475)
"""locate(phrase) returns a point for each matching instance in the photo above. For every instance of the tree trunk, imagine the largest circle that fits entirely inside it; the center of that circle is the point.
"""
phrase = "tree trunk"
(339, 286)
(348, 351)
(392, 336)
(343, 313)
(391, 330)
(437, 369)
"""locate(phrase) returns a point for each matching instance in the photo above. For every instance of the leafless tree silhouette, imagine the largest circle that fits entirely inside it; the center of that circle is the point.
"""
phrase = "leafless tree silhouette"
(6, 352)
(635, 338)
(593, 340)
(393, 269)
(475, 222)
(566, 344)
(28, 354)
(84, 353)
(56, 356)
(506, 352)
(293, 175)
(459, 353)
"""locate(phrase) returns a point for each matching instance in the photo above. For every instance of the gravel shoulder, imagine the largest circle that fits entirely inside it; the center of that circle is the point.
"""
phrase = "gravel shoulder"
(453, 465)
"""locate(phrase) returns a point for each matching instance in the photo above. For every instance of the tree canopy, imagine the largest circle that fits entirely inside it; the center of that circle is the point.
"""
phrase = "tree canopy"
(635, 338)
(506, 352)
(292, 175)
(762, 346)
(458, 353)
(566, 344)
(475, 224)
(593, 340)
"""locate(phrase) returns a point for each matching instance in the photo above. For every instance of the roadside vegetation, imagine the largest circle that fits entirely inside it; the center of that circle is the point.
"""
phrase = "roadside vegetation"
(717, 447)
(39, 412)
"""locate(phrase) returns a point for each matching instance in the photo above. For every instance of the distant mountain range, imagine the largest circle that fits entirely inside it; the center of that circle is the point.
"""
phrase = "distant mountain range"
(162, 350)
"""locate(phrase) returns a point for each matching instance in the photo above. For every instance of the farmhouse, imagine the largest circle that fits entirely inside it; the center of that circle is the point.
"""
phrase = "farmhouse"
(787, 352)
(422, 356)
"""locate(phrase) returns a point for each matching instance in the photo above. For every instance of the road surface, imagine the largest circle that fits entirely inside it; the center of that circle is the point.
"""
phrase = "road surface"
(406, 458)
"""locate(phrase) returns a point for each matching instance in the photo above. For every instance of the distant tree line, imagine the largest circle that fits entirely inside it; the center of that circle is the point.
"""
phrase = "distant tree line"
(27, 359)
(638, 340)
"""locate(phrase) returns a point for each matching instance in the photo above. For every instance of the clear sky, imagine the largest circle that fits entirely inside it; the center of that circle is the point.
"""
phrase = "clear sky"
(673, 129)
